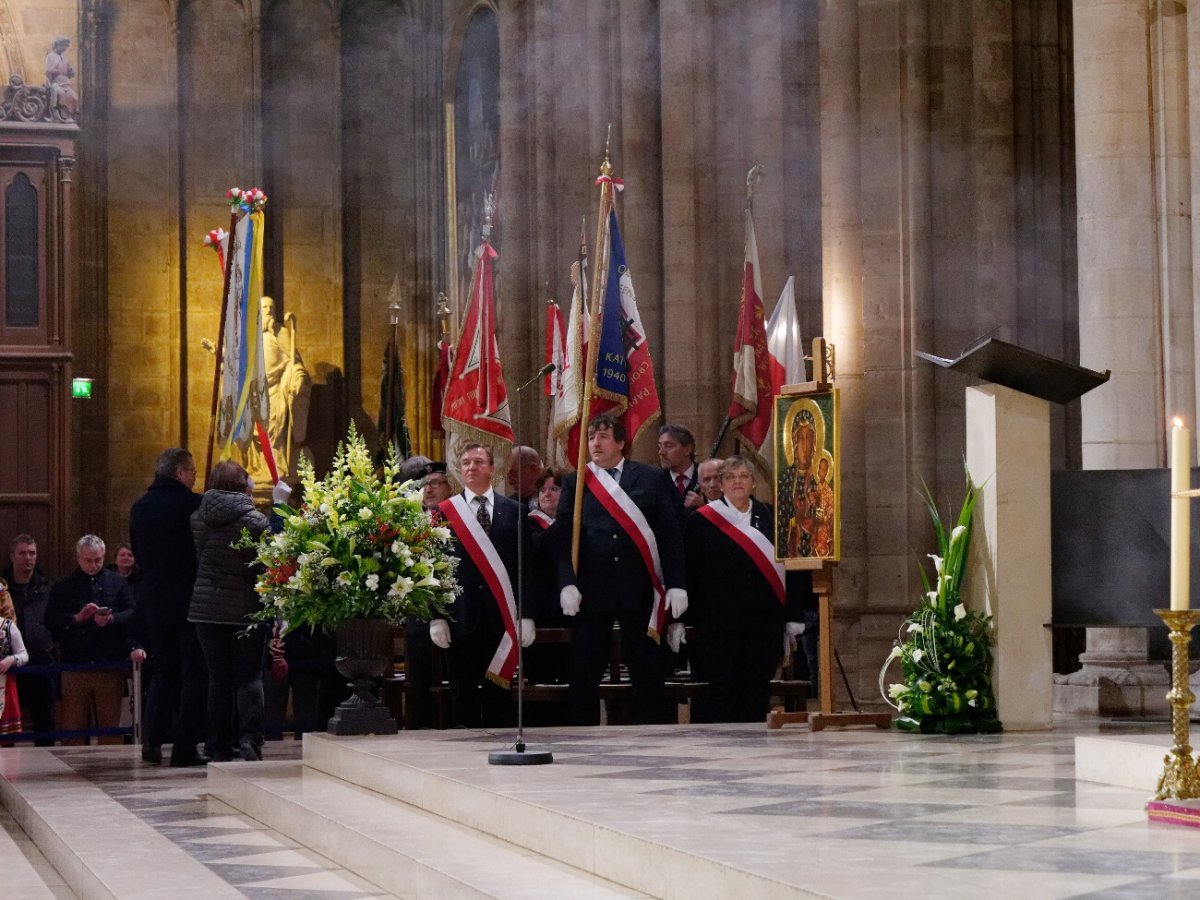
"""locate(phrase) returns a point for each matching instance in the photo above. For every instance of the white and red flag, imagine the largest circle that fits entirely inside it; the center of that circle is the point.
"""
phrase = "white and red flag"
(757, 376)
(563, 438)
(475, 408)
(556, 347)
(784, 340)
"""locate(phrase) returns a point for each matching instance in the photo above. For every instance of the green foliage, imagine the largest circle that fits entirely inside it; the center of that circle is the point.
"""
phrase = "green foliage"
(945, 650)
(361, 547)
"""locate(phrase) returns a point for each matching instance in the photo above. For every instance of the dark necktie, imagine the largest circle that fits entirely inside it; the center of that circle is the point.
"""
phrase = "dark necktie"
(485, 521)
(681, 484)
(613, 473)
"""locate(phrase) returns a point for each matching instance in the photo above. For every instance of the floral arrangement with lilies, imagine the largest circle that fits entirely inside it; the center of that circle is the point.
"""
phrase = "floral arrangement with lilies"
(945, 650)
(361, 547)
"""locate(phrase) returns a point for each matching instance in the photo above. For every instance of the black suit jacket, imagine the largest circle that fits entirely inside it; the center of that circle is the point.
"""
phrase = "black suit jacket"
(724, 582)
(475, 605)
(160, 532)
(611, 573)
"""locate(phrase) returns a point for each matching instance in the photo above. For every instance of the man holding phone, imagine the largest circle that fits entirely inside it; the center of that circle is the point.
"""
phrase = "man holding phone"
(88, 613)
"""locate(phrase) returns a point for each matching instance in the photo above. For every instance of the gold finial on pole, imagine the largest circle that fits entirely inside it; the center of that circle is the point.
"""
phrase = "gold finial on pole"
(443, 316)
(606, 166)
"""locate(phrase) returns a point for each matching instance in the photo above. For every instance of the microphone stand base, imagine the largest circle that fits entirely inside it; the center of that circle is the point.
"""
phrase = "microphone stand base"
(520, 757)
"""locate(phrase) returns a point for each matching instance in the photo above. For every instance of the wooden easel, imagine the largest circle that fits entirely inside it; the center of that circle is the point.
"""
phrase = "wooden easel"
(822, 579)
(823, 587)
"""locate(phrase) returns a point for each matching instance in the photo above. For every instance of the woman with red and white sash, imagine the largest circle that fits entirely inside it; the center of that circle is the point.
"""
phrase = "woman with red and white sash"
(741, 603)
(546, 662)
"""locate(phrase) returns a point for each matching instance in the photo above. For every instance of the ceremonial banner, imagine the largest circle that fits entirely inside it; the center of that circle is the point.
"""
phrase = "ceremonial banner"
(624, 372)
(243, 405)
(756, 375)
(438, 395)
(784, 340)
(563, 448)
(475, 408)
(556, 347)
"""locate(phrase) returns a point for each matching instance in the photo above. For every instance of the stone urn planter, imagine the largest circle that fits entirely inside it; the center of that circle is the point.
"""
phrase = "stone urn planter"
(364, 648)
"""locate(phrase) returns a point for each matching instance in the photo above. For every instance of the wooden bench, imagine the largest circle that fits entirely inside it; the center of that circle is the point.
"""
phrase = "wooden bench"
(615, 690)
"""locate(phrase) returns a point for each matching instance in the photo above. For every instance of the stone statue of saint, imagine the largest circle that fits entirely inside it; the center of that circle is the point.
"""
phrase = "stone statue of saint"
(64, 102)
(289, 387)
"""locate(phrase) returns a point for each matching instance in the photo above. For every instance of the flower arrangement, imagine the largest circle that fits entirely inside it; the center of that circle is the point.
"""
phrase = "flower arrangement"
(361, 547)
(945, 650)
(213, 238)
(248, 201)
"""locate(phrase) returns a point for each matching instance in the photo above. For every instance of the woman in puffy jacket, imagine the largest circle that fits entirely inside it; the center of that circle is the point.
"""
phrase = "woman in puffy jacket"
(222, 600)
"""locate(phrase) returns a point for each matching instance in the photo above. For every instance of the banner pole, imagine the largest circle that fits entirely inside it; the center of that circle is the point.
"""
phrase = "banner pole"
(594, 320)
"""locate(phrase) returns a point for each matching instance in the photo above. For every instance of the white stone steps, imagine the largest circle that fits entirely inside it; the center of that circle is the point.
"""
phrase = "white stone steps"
(27, 874)
(101, 849)
(405, 850)
(528, 805)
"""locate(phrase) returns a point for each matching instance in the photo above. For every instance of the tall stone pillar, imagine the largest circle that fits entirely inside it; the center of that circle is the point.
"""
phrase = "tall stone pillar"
(1135, 278)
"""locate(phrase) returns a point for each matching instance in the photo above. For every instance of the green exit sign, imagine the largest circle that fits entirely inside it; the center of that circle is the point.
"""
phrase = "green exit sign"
(81, 388)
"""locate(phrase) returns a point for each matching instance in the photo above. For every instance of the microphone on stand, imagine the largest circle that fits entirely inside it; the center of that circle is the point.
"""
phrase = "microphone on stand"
(518, 756)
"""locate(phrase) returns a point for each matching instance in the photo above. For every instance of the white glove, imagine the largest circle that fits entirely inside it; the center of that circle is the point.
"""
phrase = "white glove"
(528, 632)
(281, 492)
(570, 600)
(676, 636)
(677, 600)
(794, 630)
(439, 633)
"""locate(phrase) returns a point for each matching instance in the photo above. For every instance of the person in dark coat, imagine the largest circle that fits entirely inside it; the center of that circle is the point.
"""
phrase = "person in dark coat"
(740, 613)
(222, 600)
(613, 581)
(30, 590)
(479, 627)
(89, 613)
(161, 540)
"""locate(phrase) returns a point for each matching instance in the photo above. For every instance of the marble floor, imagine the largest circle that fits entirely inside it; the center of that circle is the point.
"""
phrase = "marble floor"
(846, 814)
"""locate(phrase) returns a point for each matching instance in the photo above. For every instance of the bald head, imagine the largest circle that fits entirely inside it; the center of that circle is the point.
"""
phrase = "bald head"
(523, 471)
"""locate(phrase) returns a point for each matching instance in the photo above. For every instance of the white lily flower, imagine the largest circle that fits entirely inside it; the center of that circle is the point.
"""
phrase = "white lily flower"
(932, 595)
(937, 562)
(441, 532)
(960, 613)
(343, 579)
(971, 703)
(897, 650)
(916, 628)
(429, 581)
(957, 533)
(917, 654)
(401, 587)
(364, 513)
(897, 690)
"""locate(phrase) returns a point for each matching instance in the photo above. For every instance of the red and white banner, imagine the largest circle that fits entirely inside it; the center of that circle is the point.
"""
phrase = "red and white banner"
(757, 376)
(483, 553)
(784, 340)
(556, 347)
(475, 408)
(563, 438)
(752, 541)
(621, 507)
(543, 520)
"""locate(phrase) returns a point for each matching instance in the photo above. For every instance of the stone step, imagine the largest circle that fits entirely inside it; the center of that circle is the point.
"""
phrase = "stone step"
(532, 807)
(27, 874)
(101, 849)
(405, 850)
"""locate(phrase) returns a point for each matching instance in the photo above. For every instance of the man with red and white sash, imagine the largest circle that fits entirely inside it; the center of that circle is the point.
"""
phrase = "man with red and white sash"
(482, 641)
(742, 605)
(631, 571)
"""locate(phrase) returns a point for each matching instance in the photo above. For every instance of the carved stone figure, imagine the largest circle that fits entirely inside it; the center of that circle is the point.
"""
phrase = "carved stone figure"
(289, 386)
(64, 102)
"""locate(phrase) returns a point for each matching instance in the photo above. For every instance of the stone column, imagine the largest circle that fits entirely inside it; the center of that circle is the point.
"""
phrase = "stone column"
(1135, 307)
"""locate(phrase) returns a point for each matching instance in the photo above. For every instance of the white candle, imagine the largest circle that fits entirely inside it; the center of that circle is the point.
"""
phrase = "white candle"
(1181, 516)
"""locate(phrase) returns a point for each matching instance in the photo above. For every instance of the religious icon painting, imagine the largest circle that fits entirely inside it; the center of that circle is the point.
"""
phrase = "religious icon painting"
(807, 477)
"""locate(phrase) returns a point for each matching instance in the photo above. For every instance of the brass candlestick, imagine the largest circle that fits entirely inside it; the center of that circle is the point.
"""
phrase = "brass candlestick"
(1180, 779)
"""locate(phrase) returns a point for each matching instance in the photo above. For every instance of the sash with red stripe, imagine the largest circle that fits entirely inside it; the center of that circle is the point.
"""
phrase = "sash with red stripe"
(543, 520)
(752, 541)
(483, 553)
(621, 507)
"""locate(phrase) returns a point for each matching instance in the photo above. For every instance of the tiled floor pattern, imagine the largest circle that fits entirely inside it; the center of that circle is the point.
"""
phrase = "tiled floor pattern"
(845, 814)
(259, 863)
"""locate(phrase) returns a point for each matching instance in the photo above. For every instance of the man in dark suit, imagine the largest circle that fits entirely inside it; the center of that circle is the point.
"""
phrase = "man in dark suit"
(613, 581)
(480, 668)
(161, 535)
(677, 456)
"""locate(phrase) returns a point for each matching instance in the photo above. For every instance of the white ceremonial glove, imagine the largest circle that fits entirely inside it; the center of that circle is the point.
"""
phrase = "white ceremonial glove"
(570, 600)
(676, 636)
(677, 600)
(281, 492)
(439, 633)
(528, 632)
(794, 630)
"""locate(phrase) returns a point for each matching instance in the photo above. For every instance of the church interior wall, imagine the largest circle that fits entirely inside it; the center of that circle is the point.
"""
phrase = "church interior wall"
(919, 185)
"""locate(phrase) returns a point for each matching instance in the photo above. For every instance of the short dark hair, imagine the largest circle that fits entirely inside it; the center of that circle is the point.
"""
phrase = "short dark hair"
(475, 445)
(171, 459)
(547, 475)
(228, 476)
(681, 433)
(609, 422)
(21, 539)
